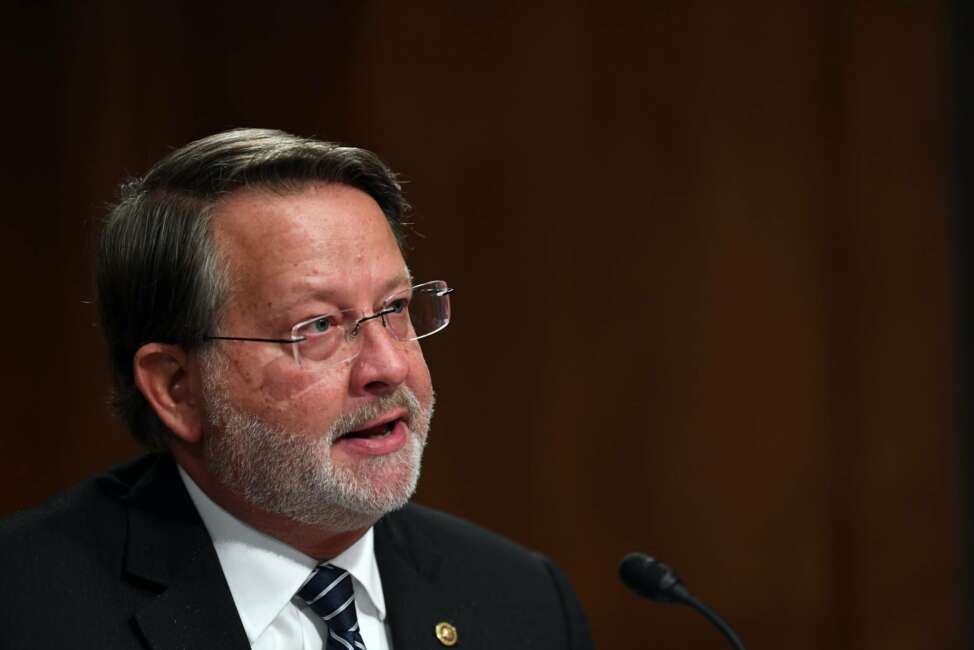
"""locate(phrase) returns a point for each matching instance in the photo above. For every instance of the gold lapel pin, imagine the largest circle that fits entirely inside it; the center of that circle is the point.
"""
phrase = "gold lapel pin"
(446, 634)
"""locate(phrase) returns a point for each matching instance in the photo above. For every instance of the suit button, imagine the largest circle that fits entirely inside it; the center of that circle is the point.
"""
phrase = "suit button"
(446, 634)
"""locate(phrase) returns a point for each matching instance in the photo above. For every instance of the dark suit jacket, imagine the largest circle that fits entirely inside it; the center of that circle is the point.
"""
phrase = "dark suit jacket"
(124, 561)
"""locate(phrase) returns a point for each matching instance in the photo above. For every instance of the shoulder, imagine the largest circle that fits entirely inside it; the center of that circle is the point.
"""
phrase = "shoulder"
(94, 556)
(481, 571)
(450, 531)
(436, 537)
(83, 525)
(70, 510)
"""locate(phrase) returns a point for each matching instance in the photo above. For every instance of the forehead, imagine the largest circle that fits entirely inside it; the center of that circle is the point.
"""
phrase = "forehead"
(321, 236)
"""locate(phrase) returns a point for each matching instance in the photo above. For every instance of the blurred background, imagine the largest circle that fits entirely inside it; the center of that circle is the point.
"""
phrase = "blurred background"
(709, 258)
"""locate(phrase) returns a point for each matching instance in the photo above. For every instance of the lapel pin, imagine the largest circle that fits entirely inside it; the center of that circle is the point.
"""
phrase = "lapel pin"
(446, 634)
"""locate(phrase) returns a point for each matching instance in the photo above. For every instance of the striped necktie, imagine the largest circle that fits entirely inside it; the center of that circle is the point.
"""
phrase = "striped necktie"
(328, 592)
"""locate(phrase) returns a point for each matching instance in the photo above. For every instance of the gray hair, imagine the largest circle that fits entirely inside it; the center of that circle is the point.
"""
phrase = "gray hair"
(159, 275)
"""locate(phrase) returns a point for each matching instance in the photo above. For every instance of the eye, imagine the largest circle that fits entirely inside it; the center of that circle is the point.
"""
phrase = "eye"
(321, 325)
(398, 306)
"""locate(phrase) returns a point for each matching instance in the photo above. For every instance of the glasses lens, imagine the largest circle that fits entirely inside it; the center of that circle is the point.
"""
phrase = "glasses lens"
(408, 318)
(322, 338)
(429, 309)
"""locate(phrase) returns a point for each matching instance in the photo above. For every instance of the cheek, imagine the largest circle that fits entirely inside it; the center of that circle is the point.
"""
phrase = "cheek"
(282, 394)
(419, 380)
(290, 384)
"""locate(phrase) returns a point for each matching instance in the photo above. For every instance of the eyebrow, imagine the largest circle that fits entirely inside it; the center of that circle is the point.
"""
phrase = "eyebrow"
(400, 279)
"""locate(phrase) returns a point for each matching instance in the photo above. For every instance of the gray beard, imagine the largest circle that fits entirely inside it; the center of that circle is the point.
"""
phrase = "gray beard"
(293, 474)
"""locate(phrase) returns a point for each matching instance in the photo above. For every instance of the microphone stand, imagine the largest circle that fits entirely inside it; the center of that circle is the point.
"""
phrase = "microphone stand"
(718, 622)
(656, 581)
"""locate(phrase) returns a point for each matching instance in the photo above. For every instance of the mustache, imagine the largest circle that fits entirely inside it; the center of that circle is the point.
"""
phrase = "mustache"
(403, 397)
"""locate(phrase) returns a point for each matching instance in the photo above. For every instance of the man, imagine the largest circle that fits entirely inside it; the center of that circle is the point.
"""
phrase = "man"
(263, 330)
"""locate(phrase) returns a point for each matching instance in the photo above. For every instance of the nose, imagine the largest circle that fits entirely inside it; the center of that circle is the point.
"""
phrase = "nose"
(382, 365)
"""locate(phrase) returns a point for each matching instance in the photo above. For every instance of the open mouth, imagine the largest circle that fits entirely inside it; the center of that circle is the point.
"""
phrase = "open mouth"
(376, 432)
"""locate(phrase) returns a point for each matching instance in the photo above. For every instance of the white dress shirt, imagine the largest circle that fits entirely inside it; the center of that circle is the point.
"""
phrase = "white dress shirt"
(264, 574)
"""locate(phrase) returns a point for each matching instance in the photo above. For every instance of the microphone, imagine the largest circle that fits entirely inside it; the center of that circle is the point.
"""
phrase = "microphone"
(652, 579)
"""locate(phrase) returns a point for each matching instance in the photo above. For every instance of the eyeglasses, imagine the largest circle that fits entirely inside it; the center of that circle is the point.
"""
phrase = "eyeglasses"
(332, 338)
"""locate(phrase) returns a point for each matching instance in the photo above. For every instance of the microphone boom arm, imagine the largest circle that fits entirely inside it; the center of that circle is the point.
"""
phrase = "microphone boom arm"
(654, 580)
(718, 622)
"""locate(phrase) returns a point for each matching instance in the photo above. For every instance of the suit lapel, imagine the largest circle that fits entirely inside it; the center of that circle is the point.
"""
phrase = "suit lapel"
(168, 551)
(170, 554)
(409, 565)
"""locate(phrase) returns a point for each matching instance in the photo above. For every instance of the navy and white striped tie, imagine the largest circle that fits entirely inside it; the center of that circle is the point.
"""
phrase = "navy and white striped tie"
(328, 592)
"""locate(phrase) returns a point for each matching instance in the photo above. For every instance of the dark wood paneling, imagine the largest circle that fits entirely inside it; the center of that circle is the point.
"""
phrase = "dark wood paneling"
(704, 303)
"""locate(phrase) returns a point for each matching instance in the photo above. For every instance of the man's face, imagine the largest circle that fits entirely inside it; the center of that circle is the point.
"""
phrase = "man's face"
(275, 432)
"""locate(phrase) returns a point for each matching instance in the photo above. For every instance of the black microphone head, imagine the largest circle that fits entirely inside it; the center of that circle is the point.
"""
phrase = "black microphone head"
(651, 578)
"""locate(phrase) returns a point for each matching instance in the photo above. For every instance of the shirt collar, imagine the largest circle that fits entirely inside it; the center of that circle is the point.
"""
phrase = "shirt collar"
(264, 573)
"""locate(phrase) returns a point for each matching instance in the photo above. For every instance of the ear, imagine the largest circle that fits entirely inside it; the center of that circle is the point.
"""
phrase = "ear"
(170, 383)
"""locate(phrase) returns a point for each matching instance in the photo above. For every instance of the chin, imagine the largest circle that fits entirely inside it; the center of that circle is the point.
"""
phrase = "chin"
(377, 485)
(316, 489)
